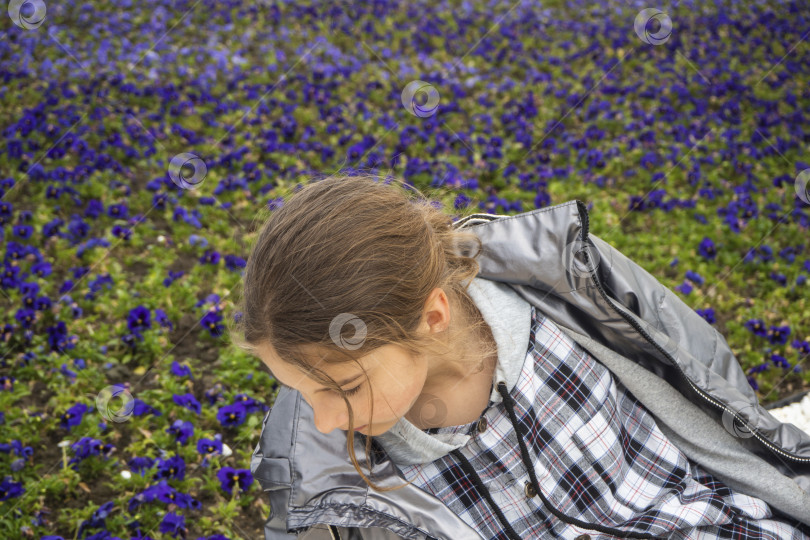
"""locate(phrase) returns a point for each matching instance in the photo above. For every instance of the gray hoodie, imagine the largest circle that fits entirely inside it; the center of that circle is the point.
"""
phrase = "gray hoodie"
(509, 317)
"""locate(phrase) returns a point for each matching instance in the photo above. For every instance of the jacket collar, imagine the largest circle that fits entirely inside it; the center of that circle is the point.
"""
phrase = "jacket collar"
(509, 316)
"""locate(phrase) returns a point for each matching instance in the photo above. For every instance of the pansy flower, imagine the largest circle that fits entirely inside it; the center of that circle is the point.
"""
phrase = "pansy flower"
(188, 401)
(162, 319)
(88, 446)
(140, 464)
(707, 249)
(182, 430)
(229, 477)
(778, 335)
(211, 322)
(756, 326)
(73, 416)
(139, 318)
(140, 408)
(10, 489)
(249, 403)
(97, 520)
(181, 370)
(174, 524)
(210, 446)
(174, 467)
(232, 415)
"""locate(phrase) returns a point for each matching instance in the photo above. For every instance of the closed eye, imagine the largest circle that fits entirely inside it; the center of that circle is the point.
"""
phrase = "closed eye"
(352, 391)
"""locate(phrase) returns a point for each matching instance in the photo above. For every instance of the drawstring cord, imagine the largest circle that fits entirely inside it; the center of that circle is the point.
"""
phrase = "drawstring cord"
(468, 469)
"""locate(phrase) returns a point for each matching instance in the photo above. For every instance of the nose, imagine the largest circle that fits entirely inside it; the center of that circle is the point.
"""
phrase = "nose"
(328, 417)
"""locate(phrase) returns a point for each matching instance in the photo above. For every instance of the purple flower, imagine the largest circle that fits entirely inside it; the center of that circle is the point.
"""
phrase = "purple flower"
(7, 382)
(756, 326)
(214, 393)
(210, 257)
(172, 277)
(188, 401)
(779, 278)
(802, 345)
(97, 520)
(694, 277)
(778, 334)
(250, 404)
(10, 489)
(140, 408)
(181, 370)
(780, 361)
(88, 446)
(182, 430)
(195, 239)
(707, 249)
(707, 314)
(229, 477)
(73, 416)
(140, 464)
(232, 262)
(211, 322)
(118, 211)
(759, 368)
(139, 319)
(162, 319)
(684, 288)
(232, 415)
(174, 467)
(174, 524)
(210, 446)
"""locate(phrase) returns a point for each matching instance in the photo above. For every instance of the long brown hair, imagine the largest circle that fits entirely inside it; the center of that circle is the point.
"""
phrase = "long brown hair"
(357, 248)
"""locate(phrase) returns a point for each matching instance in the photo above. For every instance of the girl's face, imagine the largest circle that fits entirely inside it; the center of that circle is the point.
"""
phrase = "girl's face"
(397, 377)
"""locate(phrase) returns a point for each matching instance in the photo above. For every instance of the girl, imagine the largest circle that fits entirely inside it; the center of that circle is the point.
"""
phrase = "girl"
(519, 379)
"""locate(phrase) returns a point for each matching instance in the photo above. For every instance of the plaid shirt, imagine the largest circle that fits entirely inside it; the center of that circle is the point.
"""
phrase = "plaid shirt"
(599, 457)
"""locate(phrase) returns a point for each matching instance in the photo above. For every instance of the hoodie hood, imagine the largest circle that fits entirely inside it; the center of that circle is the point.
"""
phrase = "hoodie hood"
(510, 317)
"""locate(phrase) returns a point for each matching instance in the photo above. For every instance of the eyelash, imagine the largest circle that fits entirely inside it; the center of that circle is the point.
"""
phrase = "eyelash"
(353, 391)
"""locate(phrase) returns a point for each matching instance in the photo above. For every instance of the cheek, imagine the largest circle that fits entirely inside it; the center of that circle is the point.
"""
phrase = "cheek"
(403, 391)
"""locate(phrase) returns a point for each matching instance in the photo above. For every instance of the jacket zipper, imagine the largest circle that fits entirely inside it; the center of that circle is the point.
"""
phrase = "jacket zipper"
(583, 212)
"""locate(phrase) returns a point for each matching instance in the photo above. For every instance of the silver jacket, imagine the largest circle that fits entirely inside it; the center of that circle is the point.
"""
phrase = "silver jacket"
(583, 284)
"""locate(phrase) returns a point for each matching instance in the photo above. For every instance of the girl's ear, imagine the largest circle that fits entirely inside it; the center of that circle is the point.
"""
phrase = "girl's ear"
(436, 317)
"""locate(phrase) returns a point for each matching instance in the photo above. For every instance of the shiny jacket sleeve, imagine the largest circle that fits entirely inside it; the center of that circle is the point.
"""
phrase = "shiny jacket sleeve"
(699, 349)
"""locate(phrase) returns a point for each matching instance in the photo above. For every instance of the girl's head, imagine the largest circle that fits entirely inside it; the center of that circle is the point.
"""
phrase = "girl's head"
(354, 294)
